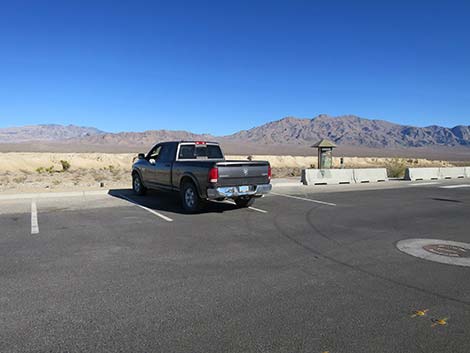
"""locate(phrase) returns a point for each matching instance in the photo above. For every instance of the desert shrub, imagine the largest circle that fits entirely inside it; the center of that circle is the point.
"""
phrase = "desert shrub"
(65, 165)
(96, 175)
(396, 168)
(80, 172)
(76, 179)
(286, 172)
(50, 170)
(114, 171)
(41, 170)
(4, 180)
(56, 182)
(19, 180)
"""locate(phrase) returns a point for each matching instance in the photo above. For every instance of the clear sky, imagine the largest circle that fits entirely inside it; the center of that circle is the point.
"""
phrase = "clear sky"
(222, 66)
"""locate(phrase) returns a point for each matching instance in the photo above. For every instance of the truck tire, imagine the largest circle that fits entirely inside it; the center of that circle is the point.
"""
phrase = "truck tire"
(244, 202)
(190, 198)
(137, 185)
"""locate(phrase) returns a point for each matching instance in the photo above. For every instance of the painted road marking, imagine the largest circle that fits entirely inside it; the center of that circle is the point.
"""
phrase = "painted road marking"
(305, 199)
(251, 208)
(455, 186)
(168, 219)
(419, 184)
(257, 209)
(34, 218)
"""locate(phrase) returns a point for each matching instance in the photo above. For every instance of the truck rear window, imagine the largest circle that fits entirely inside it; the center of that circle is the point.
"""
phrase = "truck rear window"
(200, 151)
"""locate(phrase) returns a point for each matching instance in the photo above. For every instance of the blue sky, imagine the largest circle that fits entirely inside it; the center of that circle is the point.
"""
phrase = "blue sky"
(222, 66)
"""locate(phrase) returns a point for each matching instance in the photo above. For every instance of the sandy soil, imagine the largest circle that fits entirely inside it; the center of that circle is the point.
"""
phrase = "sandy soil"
(237, 148)
(33, 172)
(41, 171)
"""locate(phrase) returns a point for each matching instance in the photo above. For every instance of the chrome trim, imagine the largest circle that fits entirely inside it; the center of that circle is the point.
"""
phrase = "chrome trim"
(233, 191)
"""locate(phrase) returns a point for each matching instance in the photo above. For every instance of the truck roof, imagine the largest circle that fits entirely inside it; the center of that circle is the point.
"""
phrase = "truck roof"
(192, 141)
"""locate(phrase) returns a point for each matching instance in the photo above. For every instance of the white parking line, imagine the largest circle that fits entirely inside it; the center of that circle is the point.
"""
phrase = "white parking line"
(168, 219)
(257, 209)
(251, 208)
(305, 199)
(455, 186)
(419, 184)
(34, 218)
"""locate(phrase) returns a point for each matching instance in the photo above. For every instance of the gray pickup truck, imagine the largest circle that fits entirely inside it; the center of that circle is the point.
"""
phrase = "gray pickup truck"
(199, 172)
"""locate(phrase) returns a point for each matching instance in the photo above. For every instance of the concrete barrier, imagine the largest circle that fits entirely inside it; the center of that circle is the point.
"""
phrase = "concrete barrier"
(452, 173)
(467, 172)
(422, 174)
(327, 176)
(370, 175)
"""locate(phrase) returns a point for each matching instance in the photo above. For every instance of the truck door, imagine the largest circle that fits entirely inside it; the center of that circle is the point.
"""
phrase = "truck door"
(164, 164)
(150, 171)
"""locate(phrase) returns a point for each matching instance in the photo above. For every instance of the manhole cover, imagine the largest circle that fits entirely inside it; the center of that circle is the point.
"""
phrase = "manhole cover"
(447, 250)
(443, 251)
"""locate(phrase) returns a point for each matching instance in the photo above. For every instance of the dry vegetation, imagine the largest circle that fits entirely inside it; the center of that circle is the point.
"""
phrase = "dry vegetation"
(59, 172)
(30, 172)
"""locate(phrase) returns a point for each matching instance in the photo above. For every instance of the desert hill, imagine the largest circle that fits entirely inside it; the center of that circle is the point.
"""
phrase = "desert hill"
(45, 132)
(146, 138)
(354, 131)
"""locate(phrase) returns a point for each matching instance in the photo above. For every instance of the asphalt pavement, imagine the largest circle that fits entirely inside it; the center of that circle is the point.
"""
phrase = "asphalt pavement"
(303, 270)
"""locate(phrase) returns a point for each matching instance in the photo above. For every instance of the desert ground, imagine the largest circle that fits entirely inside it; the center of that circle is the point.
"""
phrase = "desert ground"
(41, 171)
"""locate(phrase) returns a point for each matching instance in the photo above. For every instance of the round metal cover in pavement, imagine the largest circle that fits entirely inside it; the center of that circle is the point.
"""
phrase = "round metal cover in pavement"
(447, 250)
(443, 251)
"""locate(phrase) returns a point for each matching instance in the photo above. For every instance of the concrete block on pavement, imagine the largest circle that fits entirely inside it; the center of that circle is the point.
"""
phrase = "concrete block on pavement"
(422, 174)
(327, 176)
(370, 175)
(452, 173)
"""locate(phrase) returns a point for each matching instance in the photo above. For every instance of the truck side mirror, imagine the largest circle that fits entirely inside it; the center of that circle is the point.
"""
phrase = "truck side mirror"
(141, 156)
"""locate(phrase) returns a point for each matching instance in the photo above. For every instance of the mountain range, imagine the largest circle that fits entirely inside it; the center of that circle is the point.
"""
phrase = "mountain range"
(353, 131)
(45, 132)
(293, 133)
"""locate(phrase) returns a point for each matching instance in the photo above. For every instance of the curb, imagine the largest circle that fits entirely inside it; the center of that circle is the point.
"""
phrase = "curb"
(287, 184)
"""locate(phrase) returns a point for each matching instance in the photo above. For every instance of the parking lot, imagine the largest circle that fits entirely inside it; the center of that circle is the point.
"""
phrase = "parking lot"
(306, 269)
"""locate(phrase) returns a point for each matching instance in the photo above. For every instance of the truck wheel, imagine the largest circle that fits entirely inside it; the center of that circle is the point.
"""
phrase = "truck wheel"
(190, 198)
(137, 185)
(244, 202)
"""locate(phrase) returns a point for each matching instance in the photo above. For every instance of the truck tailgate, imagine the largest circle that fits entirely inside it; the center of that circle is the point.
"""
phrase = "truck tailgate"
(238, 173)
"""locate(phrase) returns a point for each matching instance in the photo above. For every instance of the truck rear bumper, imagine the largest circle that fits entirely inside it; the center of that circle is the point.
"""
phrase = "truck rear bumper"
(234, 191)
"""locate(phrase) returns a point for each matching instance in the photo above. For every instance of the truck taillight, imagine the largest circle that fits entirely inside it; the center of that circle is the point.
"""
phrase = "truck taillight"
(270, 173)
(213, 175)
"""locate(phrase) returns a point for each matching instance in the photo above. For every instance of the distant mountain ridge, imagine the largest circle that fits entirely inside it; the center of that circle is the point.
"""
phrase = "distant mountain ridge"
(353, 131)
(347, 130)
(45, 132)
(147, 138)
